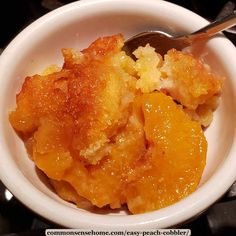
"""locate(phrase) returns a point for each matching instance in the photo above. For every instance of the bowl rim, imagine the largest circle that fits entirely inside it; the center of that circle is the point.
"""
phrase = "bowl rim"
(176, 213)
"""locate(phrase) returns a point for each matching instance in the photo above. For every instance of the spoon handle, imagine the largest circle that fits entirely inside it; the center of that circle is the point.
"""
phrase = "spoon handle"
(213, 28)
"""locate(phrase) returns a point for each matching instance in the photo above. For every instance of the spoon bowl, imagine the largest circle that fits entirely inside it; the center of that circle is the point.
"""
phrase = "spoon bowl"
(163, 41)
(160, 40)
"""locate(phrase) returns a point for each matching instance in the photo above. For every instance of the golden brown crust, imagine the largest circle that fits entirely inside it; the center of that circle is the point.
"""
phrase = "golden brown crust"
(193, 83)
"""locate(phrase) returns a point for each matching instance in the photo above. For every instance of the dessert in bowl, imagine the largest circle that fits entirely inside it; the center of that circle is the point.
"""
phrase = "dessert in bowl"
(76, 26)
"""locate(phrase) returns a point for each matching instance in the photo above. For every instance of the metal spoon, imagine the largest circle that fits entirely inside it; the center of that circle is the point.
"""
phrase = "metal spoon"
(163, 41)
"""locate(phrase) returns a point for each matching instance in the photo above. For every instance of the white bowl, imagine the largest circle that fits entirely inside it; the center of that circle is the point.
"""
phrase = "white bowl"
(76, 26)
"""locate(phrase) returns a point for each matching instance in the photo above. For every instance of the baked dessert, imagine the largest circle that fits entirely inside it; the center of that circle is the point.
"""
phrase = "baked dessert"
(111, 131)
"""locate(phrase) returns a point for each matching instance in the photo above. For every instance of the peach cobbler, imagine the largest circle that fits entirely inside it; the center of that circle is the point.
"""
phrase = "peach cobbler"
(109, 131)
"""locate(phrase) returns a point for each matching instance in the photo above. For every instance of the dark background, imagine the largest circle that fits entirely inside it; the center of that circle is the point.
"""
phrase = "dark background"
(15, 219)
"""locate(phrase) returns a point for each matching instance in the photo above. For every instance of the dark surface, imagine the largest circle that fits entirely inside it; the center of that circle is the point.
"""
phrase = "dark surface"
(15, 219)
